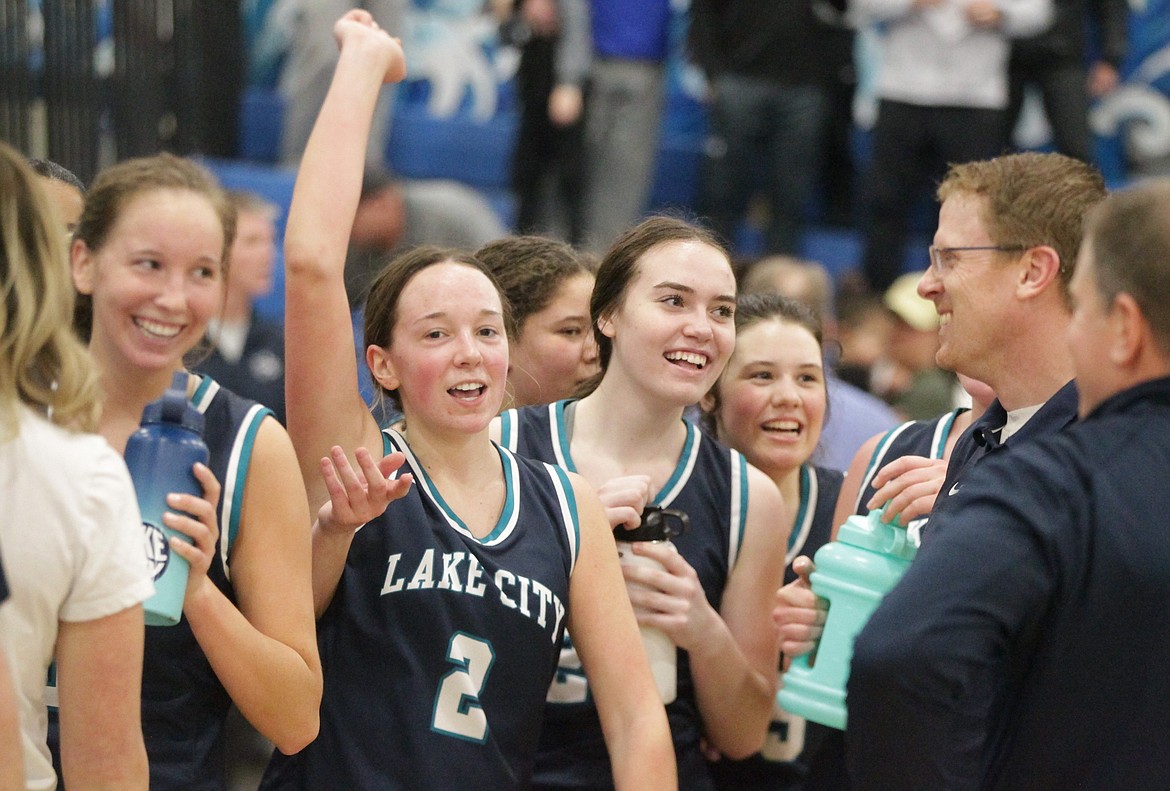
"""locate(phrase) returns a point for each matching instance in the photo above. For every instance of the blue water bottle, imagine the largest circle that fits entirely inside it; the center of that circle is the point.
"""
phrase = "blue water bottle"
(161, 455)
(853, 574)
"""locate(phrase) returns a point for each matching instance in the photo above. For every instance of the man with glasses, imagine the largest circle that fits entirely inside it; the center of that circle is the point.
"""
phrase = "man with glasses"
(1008, 237)
(1021, 649)
(1009, 231)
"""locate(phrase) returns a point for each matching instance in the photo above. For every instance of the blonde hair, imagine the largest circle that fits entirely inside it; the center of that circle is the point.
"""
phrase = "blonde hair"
(43, 364)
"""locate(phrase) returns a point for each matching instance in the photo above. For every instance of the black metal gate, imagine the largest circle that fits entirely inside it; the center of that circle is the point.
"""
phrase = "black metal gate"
(83, 82)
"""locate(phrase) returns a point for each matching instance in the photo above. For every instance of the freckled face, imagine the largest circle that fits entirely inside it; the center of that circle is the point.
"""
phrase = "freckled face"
(772, 397)
(449, 354)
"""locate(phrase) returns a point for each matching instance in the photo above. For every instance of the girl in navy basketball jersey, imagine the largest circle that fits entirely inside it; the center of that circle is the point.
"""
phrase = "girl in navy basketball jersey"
(148, 257)
(770, 404)
(444, 591)
(663, 315)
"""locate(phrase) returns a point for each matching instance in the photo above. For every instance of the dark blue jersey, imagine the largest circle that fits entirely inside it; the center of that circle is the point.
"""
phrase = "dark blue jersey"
(778, 766)
(438, 647)
(927, 438)
(1023, 648)
(709, 483)
(184, 705)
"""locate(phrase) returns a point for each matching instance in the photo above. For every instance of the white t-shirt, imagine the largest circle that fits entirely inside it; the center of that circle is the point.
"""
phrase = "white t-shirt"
(71, 536)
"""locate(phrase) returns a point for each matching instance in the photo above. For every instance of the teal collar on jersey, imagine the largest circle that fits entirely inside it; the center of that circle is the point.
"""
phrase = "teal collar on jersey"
(562, 435)
(505, 524)
(804, 513)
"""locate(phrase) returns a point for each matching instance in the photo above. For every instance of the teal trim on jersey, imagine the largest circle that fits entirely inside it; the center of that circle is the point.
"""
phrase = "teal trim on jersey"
(939, 449)
(508, 434)
(560, 438)
(511, 484)
(232, 496)
(737, 521)
(573, 520)
(880, 451)
(682, 469)
(678, 478)
(505, 524)
(875, 460)
(743, 500)
(204, 393)
(238, 464)
(387, 449)
(794, 538)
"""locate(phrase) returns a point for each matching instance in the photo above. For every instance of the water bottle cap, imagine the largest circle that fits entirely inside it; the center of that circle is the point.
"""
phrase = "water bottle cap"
(870, 532)
(174, 408)
(658, 524)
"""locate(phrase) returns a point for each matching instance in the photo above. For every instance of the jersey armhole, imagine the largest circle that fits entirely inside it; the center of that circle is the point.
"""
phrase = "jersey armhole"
(569, 512)
(739, 507)
(235, 481)
(875, 460)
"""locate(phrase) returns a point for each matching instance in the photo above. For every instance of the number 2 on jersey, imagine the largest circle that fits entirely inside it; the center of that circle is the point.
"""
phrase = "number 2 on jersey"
(458, 712)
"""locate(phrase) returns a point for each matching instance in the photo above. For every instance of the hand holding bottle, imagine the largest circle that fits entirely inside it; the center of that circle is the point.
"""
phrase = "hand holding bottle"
(195, 518)
(624, 498)
(906, 488)
(799, 614)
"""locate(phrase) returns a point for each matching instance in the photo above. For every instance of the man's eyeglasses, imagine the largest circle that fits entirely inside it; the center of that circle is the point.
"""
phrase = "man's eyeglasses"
(945, 258)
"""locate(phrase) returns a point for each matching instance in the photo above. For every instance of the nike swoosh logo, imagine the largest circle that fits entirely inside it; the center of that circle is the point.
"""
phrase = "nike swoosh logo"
(954, 489)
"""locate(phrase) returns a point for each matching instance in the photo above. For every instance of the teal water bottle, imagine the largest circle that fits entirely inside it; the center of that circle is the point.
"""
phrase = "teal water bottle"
(161, 455)
(853, 574)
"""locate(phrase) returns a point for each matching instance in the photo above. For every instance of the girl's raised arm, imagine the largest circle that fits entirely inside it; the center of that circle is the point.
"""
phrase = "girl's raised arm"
(321, 389)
